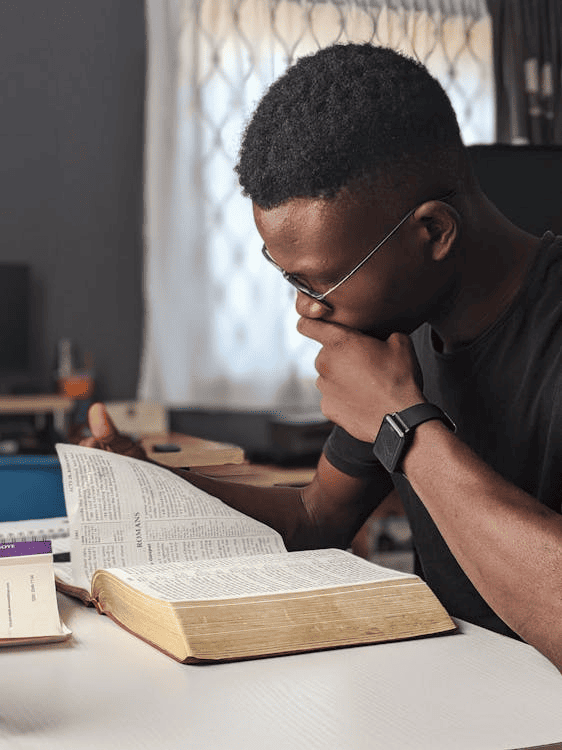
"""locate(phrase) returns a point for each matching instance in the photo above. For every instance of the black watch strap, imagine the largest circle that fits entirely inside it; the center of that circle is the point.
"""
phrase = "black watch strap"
(420, 413)
(397, 430)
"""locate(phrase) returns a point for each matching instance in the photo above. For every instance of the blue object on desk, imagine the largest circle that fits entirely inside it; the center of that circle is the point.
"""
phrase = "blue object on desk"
(30, 487)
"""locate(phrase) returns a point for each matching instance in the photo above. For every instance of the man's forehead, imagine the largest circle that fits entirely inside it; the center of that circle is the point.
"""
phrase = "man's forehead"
(291, 214)
(301, 219)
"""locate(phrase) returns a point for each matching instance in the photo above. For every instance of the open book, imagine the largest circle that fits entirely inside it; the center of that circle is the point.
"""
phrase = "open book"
(203, 582)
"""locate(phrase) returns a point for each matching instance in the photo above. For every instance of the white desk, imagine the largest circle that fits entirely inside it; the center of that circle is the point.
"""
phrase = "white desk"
(105, 688)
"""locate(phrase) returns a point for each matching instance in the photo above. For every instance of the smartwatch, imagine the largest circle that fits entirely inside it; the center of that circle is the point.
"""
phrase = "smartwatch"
(397, 432)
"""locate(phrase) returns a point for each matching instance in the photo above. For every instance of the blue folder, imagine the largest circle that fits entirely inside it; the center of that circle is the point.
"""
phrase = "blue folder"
(30, 487)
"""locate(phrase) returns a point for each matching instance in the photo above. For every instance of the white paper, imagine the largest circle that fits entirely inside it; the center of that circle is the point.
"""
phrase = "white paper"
(259, 575)
(28, 604)
(124, 511)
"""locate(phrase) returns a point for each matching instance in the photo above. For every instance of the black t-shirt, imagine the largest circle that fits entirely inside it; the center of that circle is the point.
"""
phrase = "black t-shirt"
(503, 391)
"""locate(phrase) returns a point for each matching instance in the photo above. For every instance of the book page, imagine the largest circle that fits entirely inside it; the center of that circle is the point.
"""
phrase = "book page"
(28, 604)
(124, 511)
(262, 574)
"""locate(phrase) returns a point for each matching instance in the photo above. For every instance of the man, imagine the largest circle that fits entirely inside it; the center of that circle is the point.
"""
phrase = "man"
(430, 306)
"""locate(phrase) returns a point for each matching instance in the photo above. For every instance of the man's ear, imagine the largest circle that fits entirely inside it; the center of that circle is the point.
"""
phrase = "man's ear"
(441, 224)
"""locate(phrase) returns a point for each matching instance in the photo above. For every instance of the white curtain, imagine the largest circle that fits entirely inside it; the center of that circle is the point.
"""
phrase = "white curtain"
(220, 325)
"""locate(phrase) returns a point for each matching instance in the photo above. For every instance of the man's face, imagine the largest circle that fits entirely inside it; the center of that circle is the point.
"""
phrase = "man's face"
(321, 240)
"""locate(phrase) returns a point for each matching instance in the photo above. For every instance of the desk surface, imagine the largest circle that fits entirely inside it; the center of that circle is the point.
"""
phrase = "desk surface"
(193, 451)
(104, 687)
(222, 460)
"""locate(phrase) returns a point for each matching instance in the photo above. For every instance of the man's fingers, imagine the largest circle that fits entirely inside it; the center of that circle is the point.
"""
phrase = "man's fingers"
(107, 437)
(89, 442)
(100, 424)
(322, 331)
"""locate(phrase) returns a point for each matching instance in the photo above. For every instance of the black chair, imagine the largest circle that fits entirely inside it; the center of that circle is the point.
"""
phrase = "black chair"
(524, 182)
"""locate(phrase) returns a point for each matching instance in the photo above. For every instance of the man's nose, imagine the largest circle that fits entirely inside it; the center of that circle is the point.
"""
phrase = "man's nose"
(307, 307)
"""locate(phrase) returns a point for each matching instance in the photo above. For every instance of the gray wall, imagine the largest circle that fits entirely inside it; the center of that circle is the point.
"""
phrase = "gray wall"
(72, 80)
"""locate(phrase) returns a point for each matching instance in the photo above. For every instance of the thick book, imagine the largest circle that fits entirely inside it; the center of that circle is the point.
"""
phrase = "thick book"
(203, 582)
(28, 604)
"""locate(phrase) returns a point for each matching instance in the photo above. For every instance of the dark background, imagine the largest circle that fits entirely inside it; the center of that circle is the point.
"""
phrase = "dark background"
(524, 182)
(72, 77)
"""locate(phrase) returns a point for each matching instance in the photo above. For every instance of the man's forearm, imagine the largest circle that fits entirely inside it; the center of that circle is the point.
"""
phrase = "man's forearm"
(507, 543)
(326, 513)
(281, 508)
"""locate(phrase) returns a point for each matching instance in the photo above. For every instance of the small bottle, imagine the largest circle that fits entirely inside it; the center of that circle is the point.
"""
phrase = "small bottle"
(64, 370)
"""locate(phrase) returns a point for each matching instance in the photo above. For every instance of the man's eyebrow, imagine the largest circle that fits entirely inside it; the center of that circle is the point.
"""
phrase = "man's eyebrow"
(301, 272)
(314, 276)
(310, 270)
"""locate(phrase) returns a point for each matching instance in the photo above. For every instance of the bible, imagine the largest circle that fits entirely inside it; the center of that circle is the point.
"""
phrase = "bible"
(203, 582)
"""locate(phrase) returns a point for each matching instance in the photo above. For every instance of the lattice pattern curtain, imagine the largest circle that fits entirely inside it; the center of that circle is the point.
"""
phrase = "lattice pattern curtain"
(528, 72)
(220, 326)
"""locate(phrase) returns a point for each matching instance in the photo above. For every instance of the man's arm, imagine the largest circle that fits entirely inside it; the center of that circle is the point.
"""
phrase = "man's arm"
(508, 544)
(326, 513)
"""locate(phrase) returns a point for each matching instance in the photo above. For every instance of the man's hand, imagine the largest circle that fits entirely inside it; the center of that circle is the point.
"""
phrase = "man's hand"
(362, 378)
(106, 436)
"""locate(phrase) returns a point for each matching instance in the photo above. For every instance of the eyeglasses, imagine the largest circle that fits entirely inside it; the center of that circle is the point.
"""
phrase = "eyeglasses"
(321, 296)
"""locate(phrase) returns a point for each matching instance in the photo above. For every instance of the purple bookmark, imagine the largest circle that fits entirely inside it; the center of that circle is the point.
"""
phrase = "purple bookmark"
(16, 549)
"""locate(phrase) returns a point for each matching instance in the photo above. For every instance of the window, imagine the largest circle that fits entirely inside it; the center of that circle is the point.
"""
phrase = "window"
(233, 342)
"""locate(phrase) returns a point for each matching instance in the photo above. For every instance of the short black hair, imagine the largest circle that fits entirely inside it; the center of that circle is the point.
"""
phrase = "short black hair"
(343, 115)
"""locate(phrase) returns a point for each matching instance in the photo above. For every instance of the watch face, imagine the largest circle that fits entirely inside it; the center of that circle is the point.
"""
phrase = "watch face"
(389, 444)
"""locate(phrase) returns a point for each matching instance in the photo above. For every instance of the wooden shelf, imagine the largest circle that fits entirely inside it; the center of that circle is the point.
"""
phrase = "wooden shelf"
(36, 404)
(39, 406)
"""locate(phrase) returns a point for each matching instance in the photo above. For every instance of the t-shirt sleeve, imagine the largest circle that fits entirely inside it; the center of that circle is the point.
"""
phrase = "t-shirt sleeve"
(354, 457)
